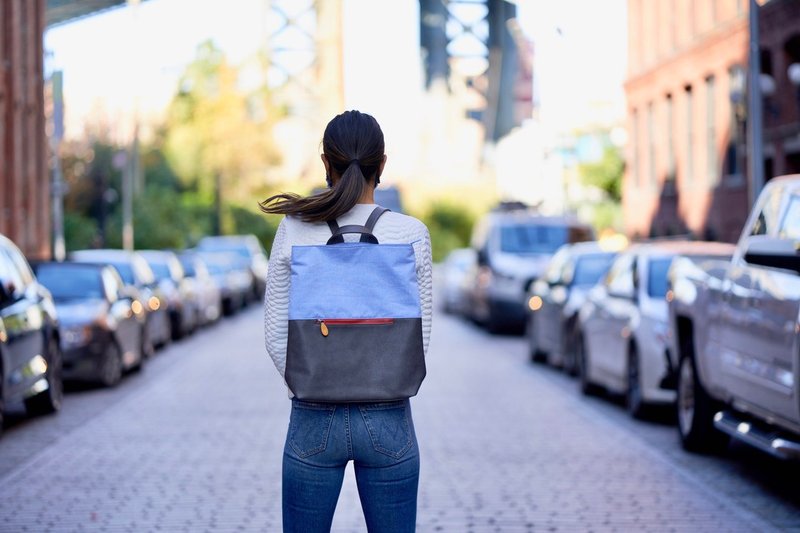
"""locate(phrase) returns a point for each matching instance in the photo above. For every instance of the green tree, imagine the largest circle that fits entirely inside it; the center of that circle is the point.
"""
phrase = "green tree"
(217, 135)
(605, 174)
(450, 226)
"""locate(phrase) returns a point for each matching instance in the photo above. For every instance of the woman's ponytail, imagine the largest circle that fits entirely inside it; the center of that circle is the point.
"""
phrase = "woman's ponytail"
(353, 145)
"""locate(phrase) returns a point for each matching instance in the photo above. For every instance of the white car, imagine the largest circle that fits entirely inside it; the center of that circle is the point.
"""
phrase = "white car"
(622, 342)
(513, 247)
(456, 268)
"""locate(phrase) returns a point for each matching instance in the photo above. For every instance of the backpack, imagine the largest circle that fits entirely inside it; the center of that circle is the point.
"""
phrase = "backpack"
(355, 322)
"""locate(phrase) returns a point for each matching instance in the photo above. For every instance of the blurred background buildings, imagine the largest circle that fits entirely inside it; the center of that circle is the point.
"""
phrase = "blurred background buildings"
(481, 101)
(686, 96)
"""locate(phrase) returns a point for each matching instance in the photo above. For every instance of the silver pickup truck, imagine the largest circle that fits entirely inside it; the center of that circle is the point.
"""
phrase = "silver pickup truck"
(735, 333)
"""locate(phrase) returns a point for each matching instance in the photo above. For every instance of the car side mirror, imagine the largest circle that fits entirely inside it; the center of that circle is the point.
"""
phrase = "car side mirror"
(7, 291)
(773, 252)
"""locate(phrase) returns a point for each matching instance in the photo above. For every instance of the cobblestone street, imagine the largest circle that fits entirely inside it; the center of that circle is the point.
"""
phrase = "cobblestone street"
(194, 444)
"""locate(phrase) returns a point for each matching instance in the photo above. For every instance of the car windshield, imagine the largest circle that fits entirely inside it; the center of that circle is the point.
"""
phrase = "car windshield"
(589, 269)
(70, 282)
(657, 277)
(188, 267)
(126, 272)
(221, 245)
(160, 270)
(524, 239)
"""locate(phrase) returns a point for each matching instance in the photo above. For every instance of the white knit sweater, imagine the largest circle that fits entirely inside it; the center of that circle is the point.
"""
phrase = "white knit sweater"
(391, 228)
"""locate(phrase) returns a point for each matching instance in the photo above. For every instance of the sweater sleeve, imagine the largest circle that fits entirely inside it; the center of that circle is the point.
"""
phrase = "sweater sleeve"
(425, 283)
(276, 299)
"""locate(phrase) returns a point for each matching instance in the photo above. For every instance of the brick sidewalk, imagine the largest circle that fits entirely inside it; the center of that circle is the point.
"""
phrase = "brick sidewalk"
(198, 448)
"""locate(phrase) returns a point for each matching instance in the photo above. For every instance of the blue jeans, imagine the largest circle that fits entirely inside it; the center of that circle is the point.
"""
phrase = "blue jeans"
(378, 437)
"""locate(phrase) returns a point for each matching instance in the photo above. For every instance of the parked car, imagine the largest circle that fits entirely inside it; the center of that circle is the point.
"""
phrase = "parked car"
(737, 333)
(233, 282)
(390, 198)
(181, 302)
(513, 248)
(249, 251)
(555, 299)
(455, 277)
(623, 329)
(202, 285)
(102, 327)
(30, 353)
(140, 283)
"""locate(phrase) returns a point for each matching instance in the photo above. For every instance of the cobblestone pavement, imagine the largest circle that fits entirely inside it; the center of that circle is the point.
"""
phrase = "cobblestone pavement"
(194, 444)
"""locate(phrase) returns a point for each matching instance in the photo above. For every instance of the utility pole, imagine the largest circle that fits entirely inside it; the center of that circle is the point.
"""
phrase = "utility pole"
(755, 119)
(59, 188)
(130, 175)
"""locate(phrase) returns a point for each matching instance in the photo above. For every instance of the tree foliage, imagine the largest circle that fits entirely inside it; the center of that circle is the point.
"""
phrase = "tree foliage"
(605, 174)
(450, 226)
(214, 128)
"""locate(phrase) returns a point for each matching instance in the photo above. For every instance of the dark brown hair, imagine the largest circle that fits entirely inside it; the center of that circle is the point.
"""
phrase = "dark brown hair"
(353, 145)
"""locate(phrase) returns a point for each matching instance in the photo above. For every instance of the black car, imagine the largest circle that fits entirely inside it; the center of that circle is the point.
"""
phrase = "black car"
(102, 327)
(140, 282)
(233, 281)
(251, 257)
(181, 302)
(30, 356)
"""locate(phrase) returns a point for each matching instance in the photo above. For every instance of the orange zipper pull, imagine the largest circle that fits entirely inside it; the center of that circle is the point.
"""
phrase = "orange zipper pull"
(323, 328)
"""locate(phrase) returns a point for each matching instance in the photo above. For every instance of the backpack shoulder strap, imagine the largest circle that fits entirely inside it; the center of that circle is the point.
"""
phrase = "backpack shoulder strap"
(374, 216)
(337, 236)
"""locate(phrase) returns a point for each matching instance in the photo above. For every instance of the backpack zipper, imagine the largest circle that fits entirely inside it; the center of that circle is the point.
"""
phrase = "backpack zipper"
(323, 323)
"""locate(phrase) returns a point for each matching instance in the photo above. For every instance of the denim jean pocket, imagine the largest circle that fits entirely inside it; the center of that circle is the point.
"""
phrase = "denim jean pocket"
(388, 427)
(309, 426)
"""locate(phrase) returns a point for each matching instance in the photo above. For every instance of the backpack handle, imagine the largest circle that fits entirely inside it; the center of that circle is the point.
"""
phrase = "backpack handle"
(338, 233)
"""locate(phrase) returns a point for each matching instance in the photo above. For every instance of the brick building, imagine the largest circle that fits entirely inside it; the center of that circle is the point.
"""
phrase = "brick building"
(24, 183)
(686, 95)
(25, 206)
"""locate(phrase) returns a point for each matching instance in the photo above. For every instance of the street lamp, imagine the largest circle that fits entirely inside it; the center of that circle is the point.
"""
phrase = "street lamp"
(794, 76)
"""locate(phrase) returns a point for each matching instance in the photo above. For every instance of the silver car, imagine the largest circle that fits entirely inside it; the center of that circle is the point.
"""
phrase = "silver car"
(555, 299)
(455, 278)
(623, 326)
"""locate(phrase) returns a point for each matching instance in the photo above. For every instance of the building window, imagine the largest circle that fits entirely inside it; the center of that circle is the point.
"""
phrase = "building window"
(711, 133)
(736, 84)
(668, 111)
(651, 146)
(689, 134)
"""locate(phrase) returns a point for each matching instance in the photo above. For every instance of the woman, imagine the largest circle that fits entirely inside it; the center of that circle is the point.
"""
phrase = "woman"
(323, 437)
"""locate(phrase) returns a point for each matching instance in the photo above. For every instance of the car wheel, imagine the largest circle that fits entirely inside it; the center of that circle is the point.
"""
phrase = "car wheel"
(695, 412)
(167, 326)
(111, 368)
(581, 357)
(568, 363)
(177, 330)
(49, 401)
(634, 402)
(139, 364)
(536, 353)
(493, 325)
(147, 348)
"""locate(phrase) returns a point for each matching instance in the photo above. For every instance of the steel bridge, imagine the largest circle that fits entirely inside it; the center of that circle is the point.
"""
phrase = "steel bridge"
(471, 42)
